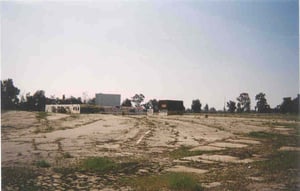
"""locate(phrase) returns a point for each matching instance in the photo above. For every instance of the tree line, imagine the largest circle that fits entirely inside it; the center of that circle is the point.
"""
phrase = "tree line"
(243, 104)
(36, 102)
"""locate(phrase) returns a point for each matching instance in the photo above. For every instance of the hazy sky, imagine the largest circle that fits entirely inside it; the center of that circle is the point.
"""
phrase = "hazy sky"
(184, 50)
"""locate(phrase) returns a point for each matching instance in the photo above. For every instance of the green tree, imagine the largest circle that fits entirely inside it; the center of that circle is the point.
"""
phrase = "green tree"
(244, 102)
(231, 106)
(138, 99)
(92, 101)
(196, 106)
(261, 104)
(212, 110)
(39, 100)
(9, 93)
(152, 104)
(126, 103)
(206, 108)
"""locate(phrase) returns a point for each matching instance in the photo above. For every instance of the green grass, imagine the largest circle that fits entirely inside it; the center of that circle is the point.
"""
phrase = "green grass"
(41, 115)
(262, 135)
(99, 164)
(276, 139)
(42, 164)
(168, 181)
(281, 167)
(65, 170)
(21, 177)
(280, 161)
(184, 151)
(294, 126)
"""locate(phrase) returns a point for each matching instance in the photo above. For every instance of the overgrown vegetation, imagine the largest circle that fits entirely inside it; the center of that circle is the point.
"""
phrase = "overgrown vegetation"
(276, 139)
(281, 167)
(42, 164)
(168, 181)
(262, 135)
(99, 164)
(184, 151)
(280, 161)
(23, 177)
(41, 116)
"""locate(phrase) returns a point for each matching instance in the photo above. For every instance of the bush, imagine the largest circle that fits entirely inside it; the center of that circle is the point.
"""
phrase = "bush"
(169, 181)
(99, 164)
(91, 109)
(42, 164)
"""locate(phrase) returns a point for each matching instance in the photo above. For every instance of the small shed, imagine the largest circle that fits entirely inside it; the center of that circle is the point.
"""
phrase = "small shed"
(170, 107)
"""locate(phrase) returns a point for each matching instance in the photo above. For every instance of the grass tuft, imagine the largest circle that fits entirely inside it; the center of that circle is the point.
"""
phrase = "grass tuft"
(184, 151)
(262, 135)
(280, 161)
(99, 164)
(41, 115)
(169, 181)
(18, 178)
(42, 164)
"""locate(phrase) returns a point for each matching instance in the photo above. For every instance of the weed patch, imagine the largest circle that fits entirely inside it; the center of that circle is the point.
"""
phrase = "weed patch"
(280, 161)
(169, 181)
(184, 151)
(99, 164)
(42, 164)
(21, 177)
(276, 139)
(41, 115)
(281, 167)
(262, 135)
(65, 171)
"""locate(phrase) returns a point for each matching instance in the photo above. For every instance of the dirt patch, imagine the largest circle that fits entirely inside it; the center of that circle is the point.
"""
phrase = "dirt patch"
(212, 184)
(221, 152)
(197, 159)
(228, 145)
(246, 141)
(224, 158)
(207, 148)
(286, 148)
(186, 169)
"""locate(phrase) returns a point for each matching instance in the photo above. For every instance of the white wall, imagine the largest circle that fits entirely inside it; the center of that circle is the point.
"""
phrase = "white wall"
(70, 108)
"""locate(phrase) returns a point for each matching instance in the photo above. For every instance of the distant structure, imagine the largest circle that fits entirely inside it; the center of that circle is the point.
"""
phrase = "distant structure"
(170, 107)
(111, 100)
(63, 108)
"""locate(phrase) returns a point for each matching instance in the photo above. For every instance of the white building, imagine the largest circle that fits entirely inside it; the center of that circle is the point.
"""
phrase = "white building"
(63, 108)
(108, 99)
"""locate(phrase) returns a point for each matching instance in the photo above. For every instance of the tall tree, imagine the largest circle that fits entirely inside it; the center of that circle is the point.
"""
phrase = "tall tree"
(36, 102)
(206, 108)
(126, 103)
(92, 101)
(9, 93)
(261, 104)
(152, 104)
(138, 99)
(39, 100)
(295, 104)
(73, 100)
(231, 106)
(196, 106)
(244, 101)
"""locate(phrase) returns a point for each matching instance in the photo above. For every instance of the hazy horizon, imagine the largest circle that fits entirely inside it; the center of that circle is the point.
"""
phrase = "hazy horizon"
(186, 50)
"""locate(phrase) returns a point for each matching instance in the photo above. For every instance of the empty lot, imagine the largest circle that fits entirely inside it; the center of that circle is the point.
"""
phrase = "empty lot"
(221, 152)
